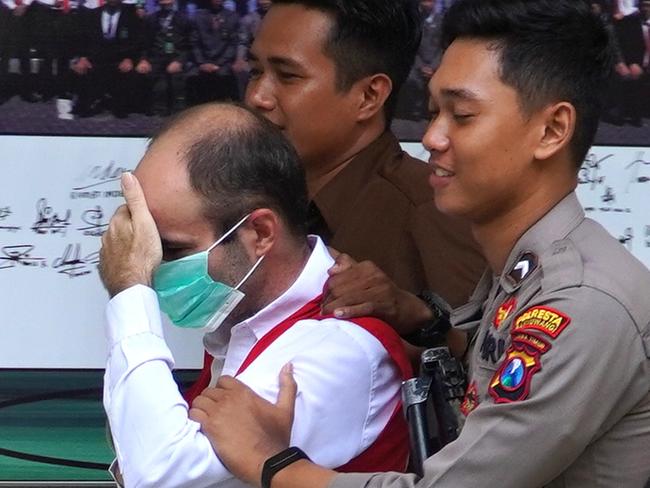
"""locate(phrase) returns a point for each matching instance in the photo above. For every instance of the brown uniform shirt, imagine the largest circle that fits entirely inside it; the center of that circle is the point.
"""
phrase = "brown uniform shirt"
(559, 390)
(380, 208)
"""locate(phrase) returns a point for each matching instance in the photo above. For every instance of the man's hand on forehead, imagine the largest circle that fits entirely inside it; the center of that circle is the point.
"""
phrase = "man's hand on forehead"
(131, 248)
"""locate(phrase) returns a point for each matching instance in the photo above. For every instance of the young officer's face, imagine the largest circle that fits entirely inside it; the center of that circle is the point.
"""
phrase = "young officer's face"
(293, 83)
(481, 143)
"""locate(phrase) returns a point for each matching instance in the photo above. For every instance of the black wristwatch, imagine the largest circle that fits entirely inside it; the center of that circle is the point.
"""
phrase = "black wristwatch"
(435, 331)
(281, 460)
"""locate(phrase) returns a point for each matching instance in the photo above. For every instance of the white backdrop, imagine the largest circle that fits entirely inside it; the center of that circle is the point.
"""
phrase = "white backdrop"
(57, 195)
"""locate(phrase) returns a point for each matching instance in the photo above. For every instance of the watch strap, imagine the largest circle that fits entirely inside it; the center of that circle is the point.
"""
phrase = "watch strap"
(280, 461)
(435, 331)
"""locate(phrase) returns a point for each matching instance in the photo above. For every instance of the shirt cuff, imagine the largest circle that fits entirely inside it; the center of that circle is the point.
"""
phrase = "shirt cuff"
(132, 312)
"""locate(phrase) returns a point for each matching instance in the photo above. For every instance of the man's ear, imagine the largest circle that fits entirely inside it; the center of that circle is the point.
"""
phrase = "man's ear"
(558, 126)
(373, 92)
(261, 231)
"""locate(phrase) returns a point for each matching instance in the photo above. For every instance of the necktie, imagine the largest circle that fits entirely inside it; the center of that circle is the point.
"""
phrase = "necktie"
(646, 37)
(109, 30)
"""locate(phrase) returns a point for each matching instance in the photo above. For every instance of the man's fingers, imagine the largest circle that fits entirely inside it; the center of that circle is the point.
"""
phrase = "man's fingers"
(333, 252)
(207, 399)
(361, 310)
(288, 389)
(342, 263)
(227, 382)
(198, 415)
(134, 196)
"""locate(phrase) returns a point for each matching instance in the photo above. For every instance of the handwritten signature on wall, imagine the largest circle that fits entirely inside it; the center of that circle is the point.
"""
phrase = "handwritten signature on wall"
(71, 262)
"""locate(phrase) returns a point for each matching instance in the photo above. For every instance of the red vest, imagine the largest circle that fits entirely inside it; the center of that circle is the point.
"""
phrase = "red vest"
(390, 450)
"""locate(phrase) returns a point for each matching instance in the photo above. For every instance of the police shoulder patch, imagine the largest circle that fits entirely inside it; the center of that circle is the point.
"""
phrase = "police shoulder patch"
(531, 340)
(470, 402)
(543, 319)
(511, 382)
(504, 311)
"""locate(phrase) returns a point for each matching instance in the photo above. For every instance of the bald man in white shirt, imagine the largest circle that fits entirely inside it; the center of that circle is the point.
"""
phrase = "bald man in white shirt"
(225, 210)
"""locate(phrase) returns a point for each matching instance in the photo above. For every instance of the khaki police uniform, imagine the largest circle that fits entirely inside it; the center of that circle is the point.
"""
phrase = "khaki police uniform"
(559, 381)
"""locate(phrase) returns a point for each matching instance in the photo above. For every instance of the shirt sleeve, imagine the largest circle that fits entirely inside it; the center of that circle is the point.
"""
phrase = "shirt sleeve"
(156, 443)
(594, 373)
(348, 387)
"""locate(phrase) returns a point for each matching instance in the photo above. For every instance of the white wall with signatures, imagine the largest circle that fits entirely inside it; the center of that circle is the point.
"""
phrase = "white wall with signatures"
(57, 195)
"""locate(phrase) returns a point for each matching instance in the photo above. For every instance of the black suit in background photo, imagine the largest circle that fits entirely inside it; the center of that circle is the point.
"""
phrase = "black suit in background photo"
(42, 48)
(5, 19)
(248, 26)
(214, 46)
(111, 44)
(413, 100)
(15, 28)
(165, 57)
(65, 41)
(628, 92)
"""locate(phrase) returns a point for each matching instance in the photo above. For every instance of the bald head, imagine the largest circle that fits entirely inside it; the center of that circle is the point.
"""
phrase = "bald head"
(233, 160)
(196, 122)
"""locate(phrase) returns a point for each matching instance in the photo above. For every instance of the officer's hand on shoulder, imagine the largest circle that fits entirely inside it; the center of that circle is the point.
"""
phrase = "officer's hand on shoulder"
(362, 289)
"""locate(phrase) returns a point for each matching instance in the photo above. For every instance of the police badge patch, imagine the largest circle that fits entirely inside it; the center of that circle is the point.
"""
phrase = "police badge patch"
(470, 402)
(543, 319)
(511, 382)
(503, 312)
(532, 340)
(525, 265)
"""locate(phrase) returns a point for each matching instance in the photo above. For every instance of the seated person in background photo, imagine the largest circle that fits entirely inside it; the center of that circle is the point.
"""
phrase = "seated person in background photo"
(6, 19)
(248, 27)
(559, 363)
(214, 47)
(38, 50)
(327, 73)
(110, 45)
(413, 99)
(630, 89)
(167, 34)
(15, 28)
(222, 202)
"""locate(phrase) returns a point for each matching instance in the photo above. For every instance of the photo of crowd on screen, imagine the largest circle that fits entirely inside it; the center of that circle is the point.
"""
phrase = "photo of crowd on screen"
(119, 67)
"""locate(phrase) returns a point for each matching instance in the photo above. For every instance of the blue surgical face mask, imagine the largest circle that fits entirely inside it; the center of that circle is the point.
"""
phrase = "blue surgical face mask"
(190, 297)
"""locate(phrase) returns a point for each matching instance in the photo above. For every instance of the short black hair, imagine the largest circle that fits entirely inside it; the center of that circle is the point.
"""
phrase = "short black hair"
(243, 165)
(369, 37)
(549, 51)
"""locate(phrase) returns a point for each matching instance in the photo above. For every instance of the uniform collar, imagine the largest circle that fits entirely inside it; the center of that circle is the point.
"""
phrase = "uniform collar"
(467, 316)
(523, 260)
(333, 200)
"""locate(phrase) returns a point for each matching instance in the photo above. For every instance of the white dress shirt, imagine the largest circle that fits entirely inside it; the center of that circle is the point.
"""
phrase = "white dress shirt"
(627, 7)
(11, 4)
(347, 385)
(109, 23)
